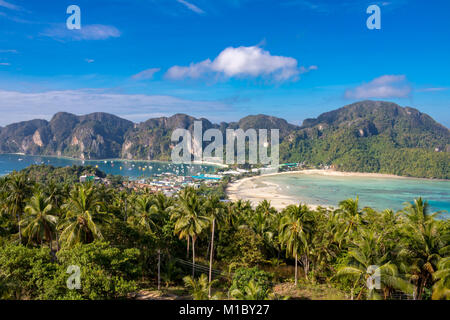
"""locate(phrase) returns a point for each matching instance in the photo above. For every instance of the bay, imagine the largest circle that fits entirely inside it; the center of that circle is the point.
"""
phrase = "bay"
(376, 192)
(131, 169)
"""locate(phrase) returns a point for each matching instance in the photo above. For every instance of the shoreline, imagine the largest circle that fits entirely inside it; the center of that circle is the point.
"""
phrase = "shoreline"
(249, 189)
(210, 163)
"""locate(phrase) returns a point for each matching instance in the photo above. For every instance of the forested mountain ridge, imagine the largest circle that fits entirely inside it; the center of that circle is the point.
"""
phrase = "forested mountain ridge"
(373, 136)
(92, 136)
(369, 136)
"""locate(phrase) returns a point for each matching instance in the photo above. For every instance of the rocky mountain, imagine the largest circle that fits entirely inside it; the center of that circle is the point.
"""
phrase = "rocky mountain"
(370, 136)
(373, 136)
(93, 136)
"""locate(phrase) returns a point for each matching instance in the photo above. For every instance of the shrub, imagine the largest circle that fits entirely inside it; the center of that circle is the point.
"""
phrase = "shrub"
(243, 276)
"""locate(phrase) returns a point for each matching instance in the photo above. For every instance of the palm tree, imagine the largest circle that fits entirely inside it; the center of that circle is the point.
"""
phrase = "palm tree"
(83, 213)
(190, 220)
(423, 243)
(441, 289)
(350, 210)
(237, 212)
(55, 194)
(200, 289)
(367, 259)
(251, 291)
(215, 213)
(293, 236)
(265, 214)
(162, 206)
(39, 224)
(150, 214)
(145, 213)
(18, 190)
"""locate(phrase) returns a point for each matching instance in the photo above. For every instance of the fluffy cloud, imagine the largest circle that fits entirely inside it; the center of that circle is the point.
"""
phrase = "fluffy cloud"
(243, 62)
(387, 86)
(8, 5)
(19, 106)
(146, 74)
(191, 6)
(87, 32)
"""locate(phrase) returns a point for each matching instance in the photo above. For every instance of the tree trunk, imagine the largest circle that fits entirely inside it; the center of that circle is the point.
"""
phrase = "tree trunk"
(207, 250)
(211, 257)
(51, 240)
(57, 241)
(187, 251)
(421, 288)
(159, 269)
(305, 264)
(359, 295)
(296, 269)
(20, 231)
(125, 215)
(193, 257)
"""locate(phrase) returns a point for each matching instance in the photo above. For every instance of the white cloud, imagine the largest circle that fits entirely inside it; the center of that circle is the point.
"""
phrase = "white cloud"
(8, 51)
(191, 6)
(8, 5)
(20, 106)
(242, 62)
(387, 86)
(433, 89)
(87, 32)
(89, 60)
(146, 74)
(5, 64)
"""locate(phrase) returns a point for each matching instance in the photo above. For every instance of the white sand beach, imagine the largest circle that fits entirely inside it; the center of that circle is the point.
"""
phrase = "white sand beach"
(255, 191)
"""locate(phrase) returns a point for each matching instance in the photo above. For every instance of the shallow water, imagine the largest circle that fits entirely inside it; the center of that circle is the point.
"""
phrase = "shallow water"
(378, 193)
(10, 162)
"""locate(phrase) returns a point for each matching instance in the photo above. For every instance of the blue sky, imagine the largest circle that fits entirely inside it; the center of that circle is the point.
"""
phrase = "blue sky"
(221, 59)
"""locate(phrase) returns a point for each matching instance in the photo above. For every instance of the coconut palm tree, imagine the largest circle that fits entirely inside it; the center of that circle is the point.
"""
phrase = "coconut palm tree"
(190, 218)
(425, 240)
(293, 236)
(302, 218)
(39, 224)
(83, 214)
(200, 289)
(162, 206)
(251, 291)
(54, 193)
(350, 210)
(145, 213)
(215, 213)
(441, 289)
(366, 259)
(18, 190)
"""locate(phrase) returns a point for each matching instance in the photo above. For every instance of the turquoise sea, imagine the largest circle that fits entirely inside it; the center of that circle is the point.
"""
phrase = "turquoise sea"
(375, 192)
(132, 169)
(379, 193)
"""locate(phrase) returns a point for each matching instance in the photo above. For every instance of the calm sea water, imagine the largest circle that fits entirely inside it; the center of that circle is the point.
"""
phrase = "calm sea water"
(132, 169)
(378, 193)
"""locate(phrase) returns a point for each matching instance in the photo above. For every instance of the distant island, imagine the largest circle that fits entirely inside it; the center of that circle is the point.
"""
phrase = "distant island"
(367, 136)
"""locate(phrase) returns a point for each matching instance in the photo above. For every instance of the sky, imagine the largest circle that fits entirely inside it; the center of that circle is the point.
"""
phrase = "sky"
(221, 59)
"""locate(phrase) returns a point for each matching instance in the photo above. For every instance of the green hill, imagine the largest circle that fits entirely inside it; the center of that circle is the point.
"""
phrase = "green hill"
(373, 136)
(368, 136)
